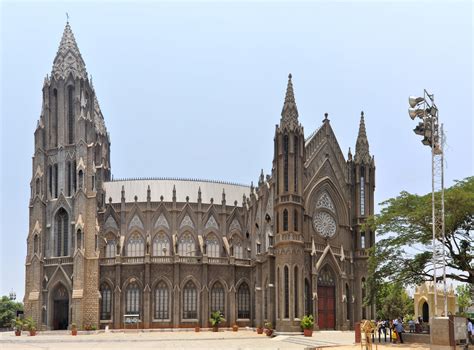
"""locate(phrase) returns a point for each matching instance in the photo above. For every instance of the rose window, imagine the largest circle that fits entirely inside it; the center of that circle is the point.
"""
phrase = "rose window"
(324, 224)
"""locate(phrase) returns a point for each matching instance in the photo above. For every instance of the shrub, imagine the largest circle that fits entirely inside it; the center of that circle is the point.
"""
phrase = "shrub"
(307, 322)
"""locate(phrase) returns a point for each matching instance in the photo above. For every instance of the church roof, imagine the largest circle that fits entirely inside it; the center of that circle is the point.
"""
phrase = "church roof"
(184, 187)
(68, 59)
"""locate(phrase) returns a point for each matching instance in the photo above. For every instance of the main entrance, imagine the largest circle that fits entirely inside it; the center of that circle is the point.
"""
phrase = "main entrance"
(60, 308)
(326, 299)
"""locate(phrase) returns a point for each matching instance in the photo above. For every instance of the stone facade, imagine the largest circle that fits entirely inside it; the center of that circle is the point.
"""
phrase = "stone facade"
(167, 252)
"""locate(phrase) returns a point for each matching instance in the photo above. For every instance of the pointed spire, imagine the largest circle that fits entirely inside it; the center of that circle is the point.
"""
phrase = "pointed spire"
(289, 113)
(68, 58)
(362, 145)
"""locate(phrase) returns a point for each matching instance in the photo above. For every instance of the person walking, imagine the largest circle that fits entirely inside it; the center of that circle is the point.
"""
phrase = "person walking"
(399, 330)
(470, 333)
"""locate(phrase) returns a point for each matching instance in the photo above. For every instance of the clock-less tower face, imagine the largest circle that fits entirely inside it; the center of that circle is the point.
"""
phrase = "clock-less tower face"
(324, 220)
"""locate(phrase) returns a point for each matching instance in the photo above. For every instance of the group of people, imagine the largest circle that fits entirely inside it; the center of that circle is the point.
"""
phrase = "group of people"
(394, 329)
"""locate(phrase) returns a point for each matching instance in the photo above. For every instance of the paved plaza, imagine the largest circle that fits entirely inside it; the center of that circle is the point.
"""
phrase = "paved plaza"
(243, 339)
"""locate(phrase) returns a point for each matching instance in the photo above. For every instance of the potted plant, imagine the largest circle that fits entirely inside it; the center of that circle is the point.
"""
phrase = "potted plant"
(307, 323)
(30, 326)
(216, 318)
(17, 325)
(235, 328)
(259, 330)
(73, 329)
(268, 329)
(197, 329)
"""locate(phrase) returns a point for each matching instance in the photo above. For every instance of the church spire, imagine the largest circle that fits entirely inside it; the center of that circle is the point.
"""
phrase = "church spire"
(362, 153)
(68, 59)
(289, 113)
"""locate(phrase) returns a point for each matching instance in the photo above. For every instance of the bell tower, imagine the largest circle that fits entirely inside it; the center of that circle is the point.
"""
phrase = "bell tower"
(363, 177)
(288, 162)
(71, 160)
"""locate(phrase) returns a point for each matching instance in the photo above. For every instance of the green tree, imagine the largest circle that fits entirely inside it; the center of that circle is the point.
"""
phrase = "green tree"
(404, 252)
(392, 301)
(8, 309)
(465, 298)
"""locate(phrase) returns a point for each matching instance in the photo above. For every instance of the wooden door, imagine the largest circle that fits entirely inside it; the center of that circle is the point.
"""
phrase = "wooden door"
(326, 307)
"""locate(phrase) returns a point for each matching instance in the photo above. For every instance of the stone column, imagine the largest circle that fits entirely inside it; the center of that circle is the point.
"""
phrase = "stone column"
(176, 295)
(204, 296)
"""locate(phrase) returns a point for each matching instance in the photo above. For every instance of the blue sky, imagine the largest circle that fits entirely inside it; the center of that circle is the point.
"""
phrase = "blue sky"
(194, 89)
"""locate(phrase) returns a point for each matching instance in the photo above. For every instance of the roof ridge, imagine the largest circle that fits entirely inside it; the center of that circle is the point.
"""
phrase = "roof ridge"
(178, 179)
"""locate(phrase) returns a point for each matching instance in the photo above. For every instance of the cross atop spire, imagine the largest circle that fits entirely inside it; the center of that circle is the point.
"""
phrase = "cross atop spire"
(362, 144)
(68, 58)
(289, 113)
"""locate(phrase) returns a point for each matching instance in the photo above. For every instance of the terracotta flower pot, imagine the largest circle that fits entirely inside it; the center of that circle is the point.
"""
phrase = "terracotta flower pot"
(269, 332)
(32, 333)
(197, 329)
(215, 329)
(74, 332)
(259, 330)
(17, 333)
(235, 328)
(308, 332)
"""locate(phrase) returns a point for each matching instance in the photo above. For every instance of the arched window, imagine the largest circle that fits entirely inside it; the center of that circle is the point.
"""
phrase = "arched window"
(348, 303)
(295, 220)
(70, 92)
(79, 239)
(362, 190)
(286, 281)
(161, 245)
(132, 302)
(110, 251)
(35, 244)
(295, 175)
(243, 301)
(186, 245)
(54, 124)
(212, 246)
(162, 301)
(362, 240)
(285, 162)
(62, 232)
(307, 298)
(81, 179)
(189, 301)
(278, 222)
(238, 249)
(295, 299)
(285, 220)
(135, 245)
(217, 298)
(74, 179)
(37, 186)
(68, 178)
(106, 302)
(50, 180)
(55, 180)
(364, 313)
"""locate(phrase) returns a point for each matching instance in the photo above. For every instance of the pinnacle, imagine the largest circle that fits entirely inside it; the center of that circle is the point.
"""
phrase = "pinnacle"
(289, 113)
(68, 59)
(362, 144)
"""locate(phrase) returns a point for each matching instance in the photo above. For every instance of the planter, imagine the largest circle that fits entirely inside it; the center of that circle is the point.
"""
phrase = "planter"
(17, 333)
(308, 332)
(215, 329)
(74, 332)
(197, 329)
(259, 330)
(235, 328)
(32, 333)
(269, 332)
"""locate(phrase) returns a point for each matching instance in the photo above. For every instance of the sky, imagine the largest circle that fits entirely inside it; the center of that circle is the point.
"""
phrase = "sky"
(194, 89)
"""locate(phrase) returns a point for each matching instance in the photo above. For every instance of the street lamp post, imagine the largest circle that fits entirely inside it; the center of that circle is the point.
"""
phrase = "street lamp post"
(426, 109)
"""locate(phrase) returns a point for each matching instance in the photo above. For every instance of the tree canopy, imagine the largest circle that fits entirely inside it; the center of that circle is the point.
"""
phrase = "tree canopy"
(8, 309)
(403, 252)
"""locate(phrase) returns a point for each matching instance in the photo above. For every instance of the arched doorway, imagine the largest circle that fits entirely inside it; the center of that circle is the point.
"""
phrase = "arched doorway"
(425, 312)
(326, 299)
(60, 307)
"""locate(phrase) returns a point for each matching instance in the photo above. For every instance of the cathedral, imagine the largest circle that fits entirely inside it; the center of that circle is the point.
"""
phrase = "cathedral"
(165, 253)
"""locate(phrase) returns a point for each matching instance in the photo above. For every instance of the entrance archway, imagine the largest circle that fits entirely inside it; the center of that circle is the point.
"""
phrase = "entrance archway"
(425, 312)
(60, 307)
(326, 299)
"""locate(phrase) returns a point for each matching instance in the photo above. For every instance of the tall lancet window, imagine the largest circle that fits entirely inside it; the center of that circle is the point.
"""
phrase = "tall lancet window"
(70, 114)
(285, 162)
(286, 281)
(54, 124)
(362, 190)
(295, 175)
(61, 227)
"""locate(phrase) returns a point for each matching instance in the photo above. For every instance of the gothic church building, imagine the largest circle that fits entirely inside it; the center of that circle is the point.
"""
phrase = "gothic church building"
(168, 252)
